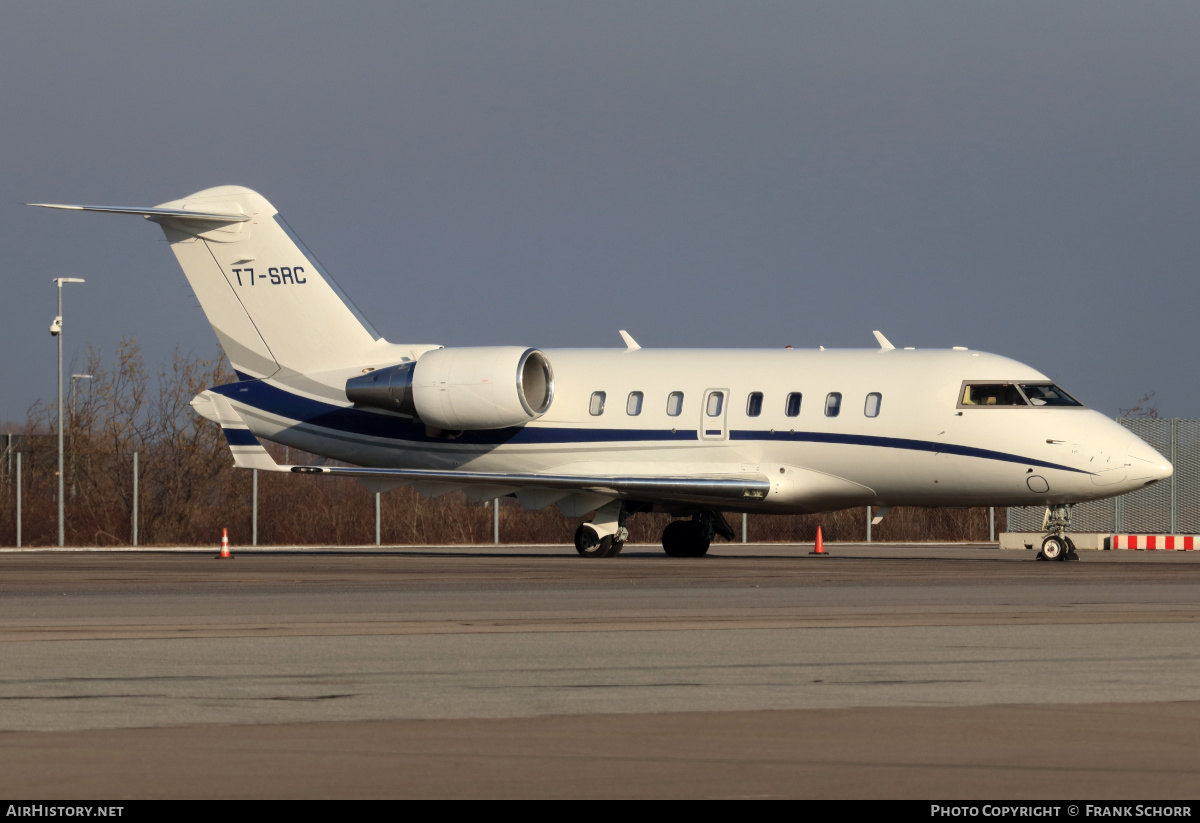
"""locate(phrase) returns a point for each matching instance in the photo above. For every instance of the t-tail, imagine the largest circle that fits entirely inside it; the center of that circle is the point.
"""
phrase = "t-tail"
(275, 309)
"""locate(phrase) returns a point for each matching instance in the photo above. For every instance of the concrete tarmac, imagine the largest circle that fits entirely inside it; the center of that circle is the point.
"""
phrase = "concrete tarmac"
(913, 671)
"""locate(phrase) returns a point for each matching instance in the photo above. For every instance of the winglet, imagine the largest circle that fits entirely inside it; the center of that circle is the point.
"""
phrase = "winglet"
(630, 343)
(248, 453)
(883, 341)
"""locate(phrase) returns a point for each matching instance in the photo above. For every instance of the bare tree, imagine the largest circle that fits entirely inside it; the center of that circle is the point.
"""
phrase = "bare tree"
(1144, 409)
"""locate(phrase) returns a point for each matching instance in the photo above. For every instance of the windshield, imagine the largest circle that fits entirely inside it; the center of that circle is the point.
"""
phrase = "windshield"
(992, 394)
(1047, 394)
(1013, 395)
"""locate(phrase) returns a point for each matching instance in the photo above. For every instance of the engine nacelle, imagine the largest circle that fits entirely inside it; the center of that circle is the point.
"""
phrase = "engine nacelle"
(462, 389)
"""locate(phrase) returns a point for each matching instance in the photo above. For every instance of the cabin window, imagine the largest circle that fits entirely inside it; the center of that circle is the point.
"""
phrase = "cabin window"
(674, 403)
(874, 399)
(754, 404)
(791, 406)
(992, 394)
(597, 405)
(633, 406)
(716, 402)
(833, 404)
(1047, 394)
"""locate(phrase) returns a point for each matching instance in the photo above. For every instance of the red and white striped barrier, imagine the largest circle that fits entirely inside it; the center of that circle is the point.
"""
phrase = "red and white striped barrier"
(1154, 542)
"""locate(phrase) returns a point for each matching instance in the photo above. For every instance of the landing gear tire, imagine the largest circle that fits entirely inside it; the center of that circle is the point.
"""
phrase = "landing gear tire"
(589, 544)
(677, 537)
(683, 538)
(1054, 548)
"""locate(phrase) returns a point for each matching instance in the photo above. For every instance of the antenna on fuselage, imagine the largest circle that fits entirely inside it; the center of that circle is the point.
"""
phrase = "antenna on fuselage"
(884, 343)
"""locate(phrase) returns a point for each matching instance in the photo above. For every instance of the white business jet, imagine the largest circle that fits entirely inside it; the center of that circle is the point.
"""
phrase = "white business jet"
(618, 431)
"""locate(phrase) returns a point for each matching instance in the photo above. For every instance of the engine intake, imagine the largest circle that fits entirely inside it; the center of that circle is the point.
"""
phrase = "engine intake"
(462, 389)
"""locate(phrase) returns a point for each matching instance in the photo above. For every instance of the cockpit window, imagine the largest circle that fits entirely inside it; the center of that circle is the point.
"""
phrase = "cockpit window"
(991, 394)
(1012, 395)
(1047, 394)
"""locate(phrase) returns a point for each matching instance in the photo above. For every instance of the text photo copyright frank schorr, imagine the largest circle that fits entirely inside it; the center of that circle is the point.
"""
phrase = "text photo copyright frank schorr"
(1069, 811)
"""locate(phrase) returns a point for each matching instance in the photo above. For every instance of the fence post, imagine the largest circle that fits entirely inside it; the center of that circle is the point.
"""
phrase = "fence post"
(377, 518)
(18, 500)
(868, 524)
(1174, 476)
(134, 524)
(991, 524)
(496, 521)
(744, 516)
(1119, 503)
(254, 507)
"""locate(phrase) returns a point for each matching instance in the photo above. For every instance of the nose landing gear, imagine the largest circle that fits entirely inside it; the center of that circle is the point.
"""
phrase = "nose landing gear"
(1056, 545)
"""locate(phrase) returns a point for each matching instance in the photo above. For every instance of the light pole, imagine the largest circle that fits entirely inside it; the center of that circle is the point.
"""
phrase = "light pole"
(74, 481)
(75, 377)
(56, 330)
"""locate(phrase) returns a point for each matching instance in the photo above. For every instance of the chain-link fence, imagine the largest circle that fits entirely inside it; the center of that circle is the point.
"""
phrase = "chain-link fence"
(1168, 507)
(334, 513)
(191, 505)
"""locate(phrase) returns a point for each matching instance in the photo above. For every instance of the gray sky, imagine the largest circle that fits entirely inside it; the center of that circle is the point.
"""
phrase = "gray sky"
(1021, 178)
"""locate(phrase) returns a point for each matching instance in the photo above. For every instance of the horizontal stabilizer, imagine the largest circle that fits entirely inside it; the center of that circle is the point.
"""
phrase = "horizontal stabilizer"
(152, 213)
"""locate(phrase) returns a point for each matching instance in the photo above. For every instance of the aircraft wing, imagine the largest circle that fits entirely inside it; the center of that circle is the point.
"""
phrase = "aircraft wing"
(535, 489)
(704, 488)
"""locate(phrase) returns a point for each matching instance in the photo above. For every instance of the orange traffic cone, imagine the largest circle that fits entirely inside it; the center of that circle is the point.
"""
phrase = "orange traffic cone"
(224, 555)
(820, 547)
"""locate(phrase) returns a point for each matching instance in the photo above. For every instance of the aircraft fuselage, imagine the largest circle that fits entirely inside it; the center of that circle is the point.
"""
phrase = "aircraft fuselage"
(921, 447)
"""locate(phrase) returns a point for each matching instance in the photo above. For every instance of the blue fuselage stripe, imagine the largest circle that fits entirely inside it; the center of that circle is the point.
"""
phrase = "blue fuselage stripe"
(276, 401)
(896, 443)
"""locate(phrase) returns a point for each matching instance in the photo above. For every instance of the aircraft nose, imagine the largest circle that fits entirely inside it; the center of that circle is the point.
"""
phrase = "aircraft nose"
(1145, 463)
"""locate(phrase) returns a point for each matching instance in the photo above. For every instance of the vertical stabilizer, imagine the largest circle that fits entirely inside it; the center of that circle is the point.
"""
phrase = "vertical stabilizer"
(273, 307)
(267, 297)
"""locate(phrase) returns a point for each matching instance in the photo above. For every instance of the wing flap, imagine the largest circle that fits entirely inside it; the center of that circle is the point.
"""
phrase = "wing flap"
(706, 488)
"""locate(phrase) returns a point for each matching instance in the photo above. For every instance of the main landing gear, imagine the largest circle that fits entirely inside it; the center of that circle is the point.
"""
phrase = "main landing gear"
(691, 538)
(589, 544)
(605, 536)
(1056, 545)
